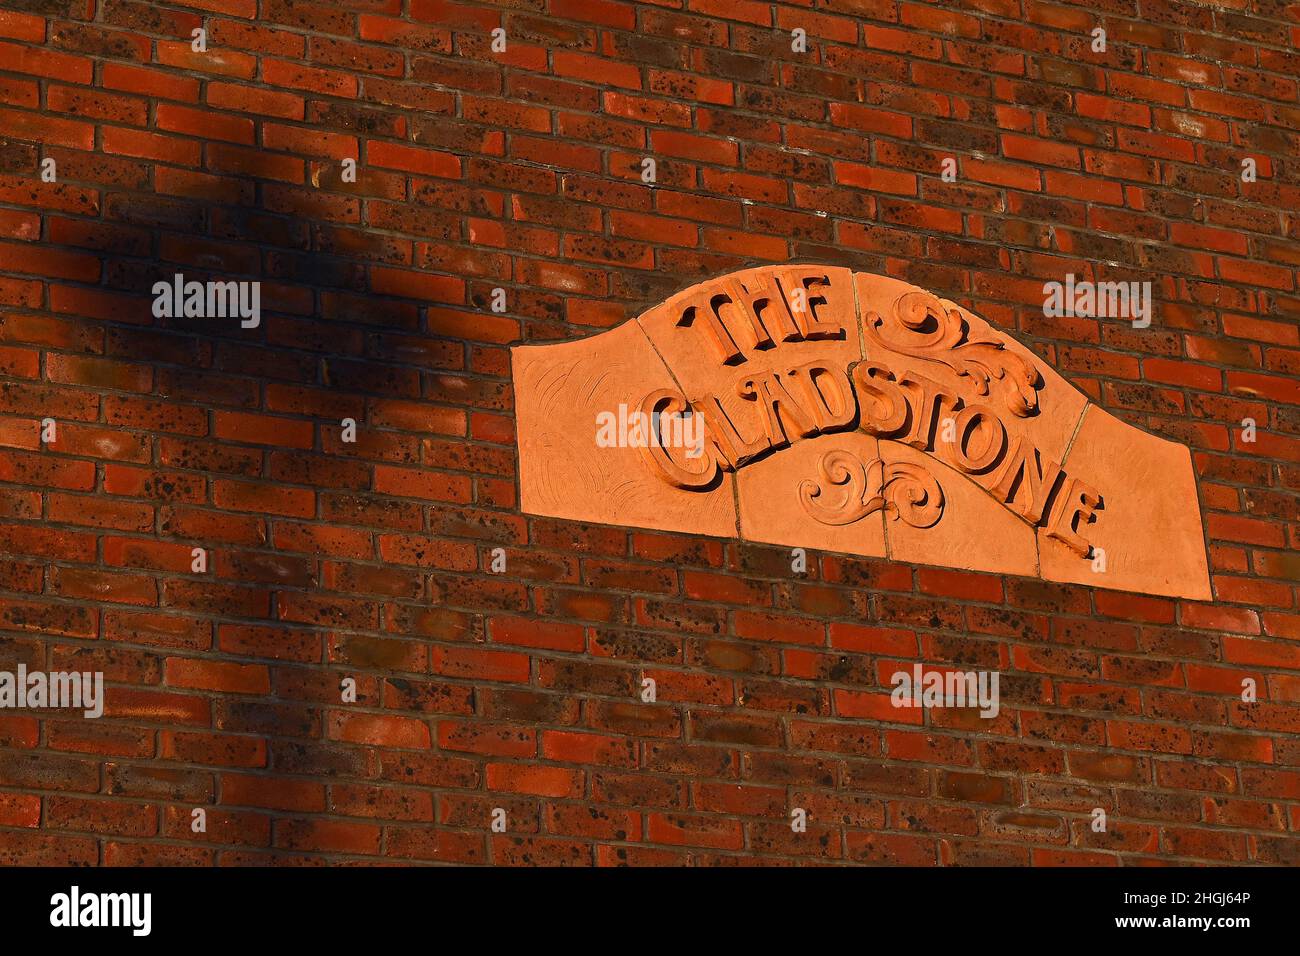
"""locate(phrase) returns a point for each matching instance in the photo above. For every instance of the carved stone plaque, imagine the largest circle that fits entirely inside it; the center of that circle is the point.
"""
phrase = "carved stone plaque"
(813, 407)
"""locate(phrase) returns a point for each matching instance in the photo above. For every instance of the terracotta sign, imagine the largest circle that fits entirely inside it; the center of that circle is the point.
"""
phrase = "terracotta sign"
(815, 407)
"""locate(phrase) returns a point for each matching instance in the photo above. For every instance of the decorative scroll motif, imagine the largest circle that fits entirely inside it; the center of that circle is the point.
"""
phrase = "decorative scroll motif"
(902, 489)
(944, 335)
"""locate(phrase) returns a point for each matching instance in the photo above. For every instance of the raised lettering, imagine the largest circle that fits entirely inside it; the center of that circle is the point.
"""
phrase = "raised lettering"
(1024, 482)
(705, 468)
(784, 419)
(1076, 507)
(886, 414)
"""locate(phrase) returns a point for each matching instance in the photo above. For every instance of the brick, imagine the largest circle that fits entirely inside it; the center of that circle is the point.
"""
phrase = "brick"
(426, 162)
(150, 82)
(47, 63)
(264, 498)
(231, 96)
(264, 430)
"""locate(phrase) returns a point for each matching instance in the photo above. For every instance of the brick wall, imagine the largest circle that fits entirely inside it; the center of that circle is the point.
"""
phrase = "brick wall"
(522, 170)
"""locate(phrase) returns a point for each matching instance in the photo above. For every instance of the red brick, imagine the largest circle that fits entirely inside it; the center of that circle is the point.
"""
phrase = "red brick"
(47, 63)
(264, 430)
